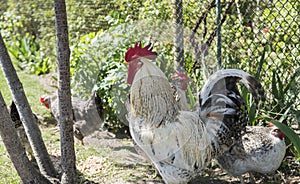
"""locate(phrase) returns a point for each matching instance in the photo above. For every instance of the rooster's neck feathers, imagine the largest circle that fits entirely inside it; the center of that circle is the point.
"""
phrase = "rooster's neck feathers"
(149, 69)
(152, 95)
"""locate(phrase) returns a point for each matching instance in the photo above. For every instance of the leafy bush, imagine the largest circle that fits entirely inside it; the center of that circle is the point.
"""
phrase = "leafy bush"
(24, 47)
(26, 52)
(97, 62)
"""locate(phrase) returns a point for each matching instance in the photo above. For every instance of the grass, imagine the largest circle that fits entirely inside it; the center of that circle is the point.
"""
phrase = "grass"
(32, 88)
(8, 173)
(33, 91)
(97, 164)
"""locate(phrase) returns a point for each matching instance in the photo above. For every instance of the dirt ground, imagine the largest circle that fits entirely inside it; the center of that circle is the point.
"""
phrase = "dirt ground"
(124, 150)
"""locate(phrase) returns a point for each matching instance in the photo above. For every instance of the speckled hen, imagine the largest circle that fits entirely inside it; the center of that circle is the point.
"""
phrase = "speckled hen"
(261, 150)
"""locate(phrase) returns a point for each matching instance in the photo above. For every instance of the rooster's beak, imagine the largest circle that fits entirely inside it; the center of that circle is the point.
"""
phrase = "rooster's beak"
(125, 62)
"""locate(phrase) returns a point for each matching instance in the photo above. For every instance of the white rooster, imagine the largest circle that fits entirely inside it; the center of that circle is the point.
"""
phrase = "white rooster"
(177, 142)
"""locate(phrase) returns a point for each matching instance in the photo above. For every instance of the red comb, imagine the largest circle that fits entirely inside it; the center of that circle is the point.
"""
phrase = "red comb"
(42, 99)
(179, 75)
(138, 51)
(270, 124)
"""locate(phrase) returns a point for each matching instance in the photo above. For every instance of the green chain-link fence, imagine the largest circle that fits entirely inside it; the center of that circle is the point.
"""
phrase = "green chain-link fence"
(262, 38)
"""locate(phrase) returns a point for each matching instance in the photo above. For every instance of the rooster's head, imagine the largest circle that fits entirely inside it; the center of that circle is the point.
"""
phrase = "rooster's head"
(132, 58)
(45, 100)
(181, 79)
(275, 131)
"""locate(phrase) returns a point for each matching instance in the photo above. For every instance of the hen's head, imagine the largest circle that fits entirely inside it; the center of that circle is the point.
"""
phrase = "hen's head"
(275, 131)
(132, 58)
(181, 80)
(45, 100)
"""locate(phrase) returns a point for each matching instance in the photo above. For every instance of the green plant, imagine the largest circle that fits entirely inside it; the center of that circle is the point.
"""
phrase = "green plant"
(97, 62)
(282, 102)
(26, 53)
(284, 95)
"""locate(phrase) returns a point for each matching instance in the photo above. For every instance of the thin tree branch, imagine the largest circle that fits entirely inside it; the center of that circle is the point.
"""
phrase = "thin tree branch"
(199, 49)
(64, 94)
(201, 18)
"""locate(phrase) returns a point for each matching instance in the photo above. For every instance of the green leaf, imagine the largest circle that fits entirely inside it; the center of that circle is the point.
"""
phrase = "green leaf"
(252, 113)
(191, 97)
(260, 64)
(280, 87)
(291, 81)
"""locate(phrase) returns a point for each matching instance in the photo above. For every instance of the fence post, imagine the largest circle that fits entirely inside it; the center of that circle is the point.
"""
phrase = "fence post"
(219, 51)
(178, 35)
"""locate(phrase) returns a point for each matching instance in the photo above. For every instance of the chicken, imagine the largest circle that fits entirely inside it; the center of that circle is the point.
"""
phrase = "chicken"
(222, 108)
(177, 142)
(180, 82)
(15, 117)
(87, 114)
(261, 149)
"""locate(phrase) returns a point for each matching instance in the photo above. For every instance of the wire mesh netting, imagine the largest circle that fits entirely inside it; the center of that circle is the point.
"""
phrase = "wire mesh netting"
(260, 37)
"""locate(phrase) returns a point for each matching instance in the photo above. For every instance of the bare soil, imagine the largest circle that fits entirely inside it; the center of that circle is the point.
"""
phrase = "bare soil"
(124, 150)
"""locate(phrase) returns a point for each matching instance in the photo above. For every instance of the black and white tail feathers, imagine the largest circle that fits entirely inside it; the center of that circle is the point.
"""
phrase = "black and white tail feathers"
(222, 107)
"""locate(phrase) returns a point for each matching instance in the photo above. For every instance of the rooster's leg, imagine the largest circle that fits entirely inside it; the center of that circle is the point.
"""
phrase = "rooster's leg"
(242, 179)
(252, 178)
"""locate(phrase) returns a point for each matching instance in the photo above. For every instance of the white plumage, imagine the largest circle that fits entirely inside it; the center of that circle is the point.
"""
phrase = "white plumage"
(176, 141)
(181, 143)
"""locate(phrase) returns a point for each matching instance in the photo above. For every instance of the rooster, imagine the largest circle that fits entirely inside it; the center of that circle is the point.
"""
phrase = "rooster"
(87, 114)
(179, 143)
(180, 82)
(261, 149)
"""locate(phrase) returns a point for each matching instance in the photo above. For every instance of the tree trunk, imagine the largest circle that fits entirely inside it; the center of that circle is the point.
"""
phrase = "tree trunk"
(31, 127)
(16, 152)
(64, 94)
